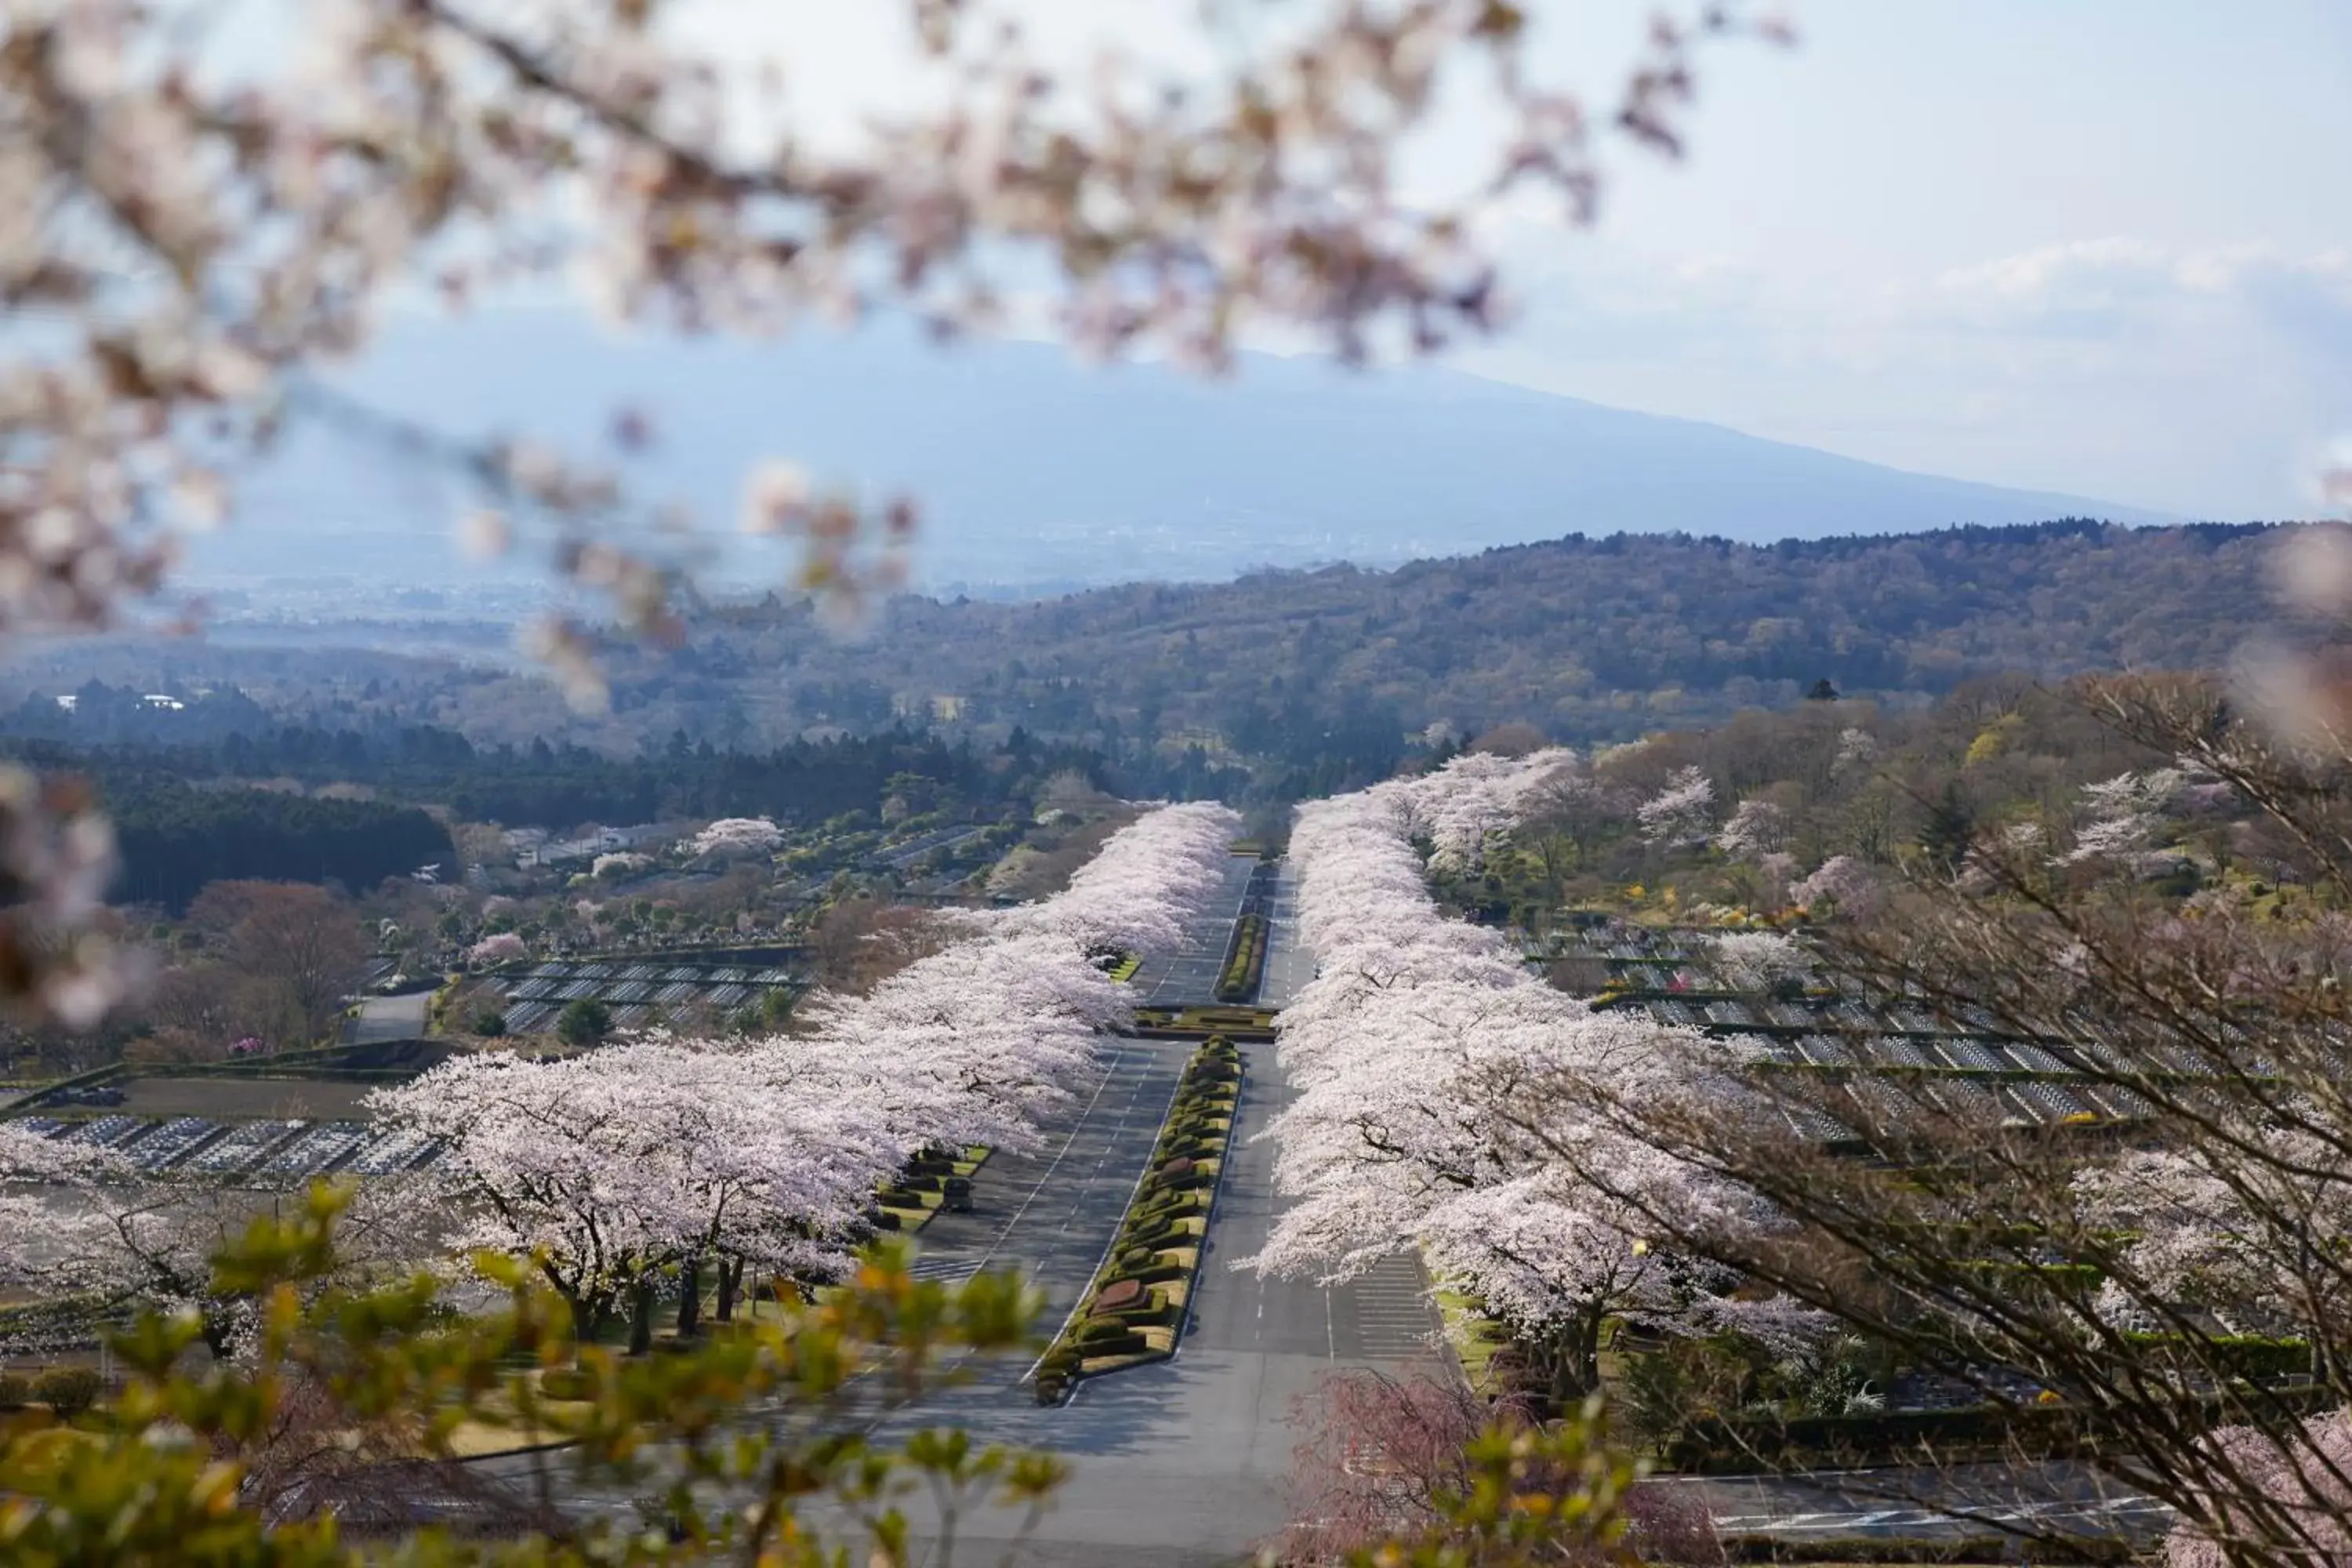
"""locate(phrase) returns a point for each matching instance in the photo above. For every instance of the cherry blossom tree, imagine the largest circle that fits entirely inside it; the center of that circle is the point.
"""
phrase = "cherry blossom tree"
(84, 1222)
(735, 838)
(611, 1169)
(34, 1222)
(2291, 1495)
(1484, 795)
(2122, 816)
(505, 947)
(1840, 883)
(1755, 960)
(1681, 814)
(622, 1169)
(1412, 1049)
(1758, 827)
(2205, 1231)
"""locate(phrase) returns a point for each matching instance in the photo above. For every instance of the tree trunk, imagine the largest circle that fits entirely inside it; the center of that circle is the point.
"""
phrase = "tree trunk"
(585, 1318)
(689, 1299)
(730, 1279)
(641, 1317)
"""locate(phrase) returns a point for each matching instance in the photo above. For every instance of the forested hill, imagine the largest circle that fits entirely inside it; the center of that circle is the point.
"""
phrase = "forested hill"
(1591, 638)
(1312, 681)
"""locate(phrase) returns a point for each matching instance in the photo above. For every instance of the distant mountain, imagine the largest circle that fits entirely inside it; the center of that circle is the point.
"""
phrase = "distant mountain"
(1037, 473)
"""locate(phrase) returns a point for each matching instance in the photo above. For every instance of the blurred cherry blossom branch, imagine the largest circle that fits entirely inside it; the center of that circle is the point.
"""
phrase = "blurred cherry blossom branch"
(190, 241)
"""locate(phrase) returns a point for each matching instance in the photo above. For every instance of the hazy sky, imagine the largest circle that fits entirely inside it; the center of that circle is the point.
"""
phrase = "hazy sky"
(2096, 245)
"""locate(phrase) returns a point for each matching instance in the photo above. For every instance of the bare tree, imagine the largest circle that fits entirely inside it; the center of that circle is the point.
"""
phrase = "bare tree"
(303, 941)
(1387, 1459)
(2156, 1282)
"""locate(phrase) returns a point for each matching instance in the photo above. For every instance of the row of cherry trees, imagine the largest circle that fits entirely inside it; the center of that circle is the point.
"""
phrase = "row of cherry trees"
(626, 1169)
(642, 1168)
(1408, 1047)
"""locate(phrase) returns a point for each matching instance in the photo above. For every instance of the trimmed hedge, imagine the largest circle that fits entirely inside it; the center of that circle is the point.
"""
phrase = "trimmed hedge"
(69, 1390)
(1245, 960)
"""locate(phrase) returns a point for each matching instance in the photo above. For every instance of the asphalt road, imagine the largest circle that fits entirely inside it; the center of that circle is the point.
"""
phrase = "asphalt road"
(1053, 1213)
(1289, 965)
(2054, 1498)
(1187, 977)
(1183, 1464)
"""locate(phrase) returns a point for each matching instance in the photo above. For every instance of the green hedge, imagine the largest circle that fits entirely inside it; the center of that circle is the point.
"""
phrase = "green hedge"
(1245, 960)
(69, 1390)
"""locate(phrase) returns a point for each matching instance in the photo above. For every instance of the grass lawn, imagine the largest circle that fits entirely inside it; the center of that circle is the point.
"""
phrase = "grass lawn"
(1475, 1337)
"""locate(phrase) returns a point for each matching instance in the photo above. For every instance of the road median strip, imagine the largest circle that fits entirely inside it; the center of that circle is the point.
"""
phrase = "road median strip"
(1137, 1304)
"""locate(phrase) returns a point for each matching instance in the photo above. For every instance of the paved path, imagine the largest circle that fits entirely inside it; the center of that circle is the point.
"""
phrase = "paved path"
(1187, 977)
(2056, 1497)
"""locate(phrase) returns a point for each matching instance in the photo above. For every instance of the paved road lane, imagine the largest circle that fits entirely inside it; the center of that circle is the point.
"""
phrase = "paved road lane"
(1289, 961)
(2055, 1498)
(1182, 1465)
(1187, 977)
(1050, 1214)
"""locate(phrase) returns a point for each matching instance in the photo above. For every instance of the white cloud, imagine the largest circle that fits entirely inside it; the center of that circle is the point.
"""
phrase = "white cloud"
(2193, 379)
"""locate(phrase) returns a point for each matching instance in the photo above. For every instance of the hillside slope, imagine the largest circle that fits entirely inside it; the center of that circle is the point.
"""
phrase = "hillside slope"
(1590, 639)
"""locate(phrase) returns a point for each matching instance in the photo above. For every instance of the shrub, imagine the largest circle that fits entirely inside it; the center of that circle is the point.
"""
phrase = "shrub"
(584, 1022)
(1123, 1340)
(566, 1383)
(15, 1391)
(489, 1024)
(1049, 1390)
(68, 1390)
(1095, 1331)
(1136, 1258)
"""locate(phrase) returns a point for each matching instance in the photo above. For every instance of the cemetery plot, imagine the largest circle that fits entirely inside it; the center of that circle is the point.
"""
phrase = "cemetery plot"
(172, 1142)
(1678, 977)
(279, 1151)
(637, 993)
(391, 1152)
(243, 1146)
(316, 1152)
